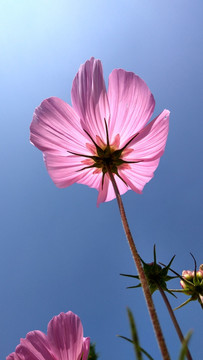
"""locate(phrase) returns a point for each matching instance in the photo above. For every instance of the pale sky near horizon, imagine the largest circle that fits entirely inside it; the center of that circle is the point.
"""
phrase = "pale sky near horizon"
(58, 252)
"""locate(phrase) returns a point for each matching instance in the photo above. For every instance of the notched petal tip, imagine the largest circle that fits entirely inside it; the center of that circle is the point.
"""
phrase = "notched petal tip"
(89, 97)
(166, 113)
(131, 104)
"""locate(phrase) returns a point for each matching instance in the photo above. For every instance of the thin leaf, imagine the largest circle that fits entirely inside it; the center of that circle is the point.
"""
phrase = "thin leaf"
(134, 334)
(147, 354)
(125, 338)
(142, 350)
(185, 342)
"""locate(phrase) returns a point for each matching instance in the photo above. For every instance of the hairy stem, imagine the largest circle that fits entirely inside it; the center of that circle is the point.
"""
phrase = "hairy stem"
(142, 277)
(174, 320)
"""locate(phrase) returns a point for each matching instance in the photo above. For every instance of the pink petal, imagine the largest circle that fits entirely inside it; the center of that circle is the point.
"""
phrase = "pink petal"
(139, 174)
(103, 190)
(91, 178)
(64, 170)
(56, 128)
(85, 348)
(147, 146)
(107, 193)
(65, 333)
(89, 98)
(64, 341)
(35, 347)
(151, 141)
(14, 356)
(131, 104)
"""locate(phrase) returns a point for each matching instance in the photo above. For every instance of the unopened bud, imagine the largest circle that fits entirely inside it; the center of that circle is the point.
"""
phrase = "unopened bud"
(201, 269)
(199, 275)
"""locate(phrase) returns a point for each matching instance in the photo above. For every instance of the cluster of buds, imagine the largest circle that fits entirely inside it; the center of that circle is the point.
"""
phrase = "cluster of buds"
(192, 285)
(190, 281)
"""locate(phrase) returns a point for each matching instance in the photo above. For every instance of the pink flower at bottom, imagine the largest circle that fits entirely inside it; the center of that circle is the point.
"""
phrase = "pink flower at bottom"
(103, 131)
(64, 341)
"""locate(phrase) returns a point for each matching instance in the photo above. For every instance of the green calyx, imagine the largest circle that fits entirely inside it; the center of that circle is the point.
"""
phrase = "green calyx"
(156, 275)
(194, 291)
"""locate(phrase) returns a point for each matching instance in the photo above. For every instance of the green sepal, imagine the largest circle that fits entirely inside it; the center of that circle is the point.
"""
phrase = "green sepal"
(134, 287)
(133, 276)
(183, 304)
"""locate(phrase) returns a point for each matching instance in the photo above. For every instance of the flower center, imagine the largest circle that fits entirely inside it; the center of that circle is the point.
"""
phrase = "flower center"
(107, 158)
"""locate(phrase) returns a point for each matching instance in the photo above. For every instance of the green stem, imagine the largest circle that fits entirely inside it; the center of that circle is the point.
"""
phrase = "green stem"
(142, 277)
(174, 320)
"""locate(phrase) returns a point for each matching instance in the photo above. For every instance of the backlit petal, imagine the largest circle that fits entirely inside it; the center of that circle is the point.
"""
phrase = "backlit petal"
(85, 348)
(65, 333)
(151, 141)
(91, 177)
(35, 347)
(139, 174)
(89, 98)
(131, 104)
(56, 128)
(64, 170)
(107, 193)
(14, 356)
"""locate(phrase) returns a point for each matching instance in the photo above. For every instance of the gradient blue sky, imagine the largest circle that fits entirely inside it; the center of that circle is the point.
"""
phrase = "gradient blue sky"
(58, 252)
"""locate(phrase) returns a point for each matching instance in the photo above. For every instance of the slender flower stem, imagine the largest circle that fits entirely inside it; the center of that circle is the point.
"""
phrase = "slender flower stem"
(142, 277)
(175, 322)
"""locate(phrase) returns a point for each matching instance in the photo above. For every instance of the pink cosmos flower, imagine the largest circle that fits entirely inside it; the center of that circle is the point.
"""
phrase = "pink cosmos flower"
(64, 341)
(103, 131)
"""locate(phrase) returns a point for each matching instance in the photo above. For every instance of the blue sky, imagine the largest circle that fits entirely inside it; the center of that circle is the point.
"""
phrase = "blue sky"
(58, 252)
